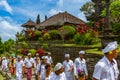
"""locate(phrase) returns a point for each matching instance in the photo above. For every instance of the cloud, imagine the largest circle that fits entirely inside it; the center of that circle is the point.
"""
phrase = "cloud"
(60, 3)
(54, 11)
(81, 16)
(4, 4)
(8, 28)
(79, 1)
(27, 12)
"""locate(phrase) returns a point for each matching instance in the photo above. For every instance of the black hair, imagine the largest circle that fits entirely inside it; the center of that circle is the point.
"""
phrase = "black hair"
(47, 65)
(81, 74)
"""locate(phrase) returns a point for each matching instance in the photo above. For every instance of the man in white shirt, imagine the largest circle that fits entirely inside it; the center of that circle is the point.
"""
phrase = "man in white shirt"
(4, 64)
(80, 64)
(19, 65)
(29, 63)
(106, 68)
(49, 58)
(41, 66)
(68, 67)
(58, 73)
(37, 57)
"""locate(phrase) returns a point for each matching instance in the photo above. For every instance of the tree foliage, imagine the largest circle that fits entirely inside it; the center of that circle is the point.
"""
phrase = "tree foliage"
(8, 44)
(2, 49)
(67, 31)
(54, 34)
(114, 12)
(37, 33)
(89, 10)
(38, 19)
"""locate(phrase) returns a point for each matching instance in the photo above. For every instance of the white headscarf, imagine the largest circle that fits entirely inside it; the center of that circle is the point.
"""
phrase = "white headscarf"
(81, 52)
(67, 55)
(110, 47)
(58, 66)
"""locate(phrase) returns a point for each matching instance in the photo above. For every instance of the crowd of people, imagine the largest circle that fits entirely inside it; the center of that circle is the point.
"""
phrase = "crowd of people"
(42, 68)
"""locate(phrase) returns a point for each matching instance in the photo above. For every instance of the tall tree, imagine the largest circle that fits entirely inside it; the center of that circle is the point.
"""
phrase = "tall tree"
(114, 12)
(89, 10)
(2, 48)
(38, 19)
(45, 17)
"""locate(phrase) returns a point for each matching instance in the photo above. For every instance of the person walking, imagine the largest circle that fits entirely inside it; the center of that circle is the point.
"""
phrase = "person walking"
(46, 74)
(29, 63)
(4, 64)
(36, 66)
(41, 66)
(58, 73)
(80, 63)
(19, 68)
(106, 68)
(68, 67)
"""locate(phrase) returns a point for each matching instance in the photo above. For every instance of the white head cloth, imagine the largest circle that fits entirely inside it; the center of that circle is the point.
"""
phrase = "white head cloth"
(29, 53)
(58, 66)
(67, 55)
(19, 57)
(110, 47)
(81, 52)
(49, 53)
(44, 57)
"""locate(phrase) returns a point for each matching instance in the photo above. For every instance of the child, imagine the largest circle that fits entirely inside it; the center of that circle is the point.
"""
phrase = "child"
(81, 75)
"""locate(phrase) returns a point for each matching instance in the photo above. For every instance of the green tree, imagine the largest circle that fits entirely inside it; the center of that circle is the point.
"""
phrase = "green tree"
(89, 10)
(38, 19)
(2, 48)
(8, 44)
(114, 12)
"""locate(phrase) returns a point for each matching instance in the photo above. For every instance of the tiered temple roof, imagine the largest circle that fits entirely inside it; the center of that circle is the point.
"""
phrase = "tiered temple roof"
(29, 24)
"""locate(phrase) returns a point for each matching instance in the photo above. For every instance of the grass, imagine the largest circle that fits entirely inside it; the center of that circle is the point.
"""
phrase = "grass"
(94, 51)
(1, 78)
(75, 45)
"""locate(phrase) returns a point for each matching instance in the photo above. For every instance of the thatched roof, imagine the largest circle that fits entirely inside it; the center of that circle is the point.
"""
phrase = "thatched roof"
(29, 23)
(60, 19)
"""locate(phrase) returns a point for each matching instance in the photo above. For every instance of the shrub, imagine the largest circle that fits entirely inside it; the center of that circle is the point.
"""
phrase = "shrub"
(37, 33)
(78, 39)
(18, 51)
(46, 36)
(85, 39)
(21, 38)
(24, 44)
(24, 51)
(116, 28)
(40, 39)
(45, 46)
(67, 31)
(54, 34)
(40, 51)
(33, 52)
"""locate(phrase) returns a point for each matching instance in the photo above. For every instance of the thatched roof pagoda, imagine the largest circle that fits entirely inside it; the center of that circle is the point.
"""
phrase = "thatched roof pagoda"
(29, 24)
(59, 20)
